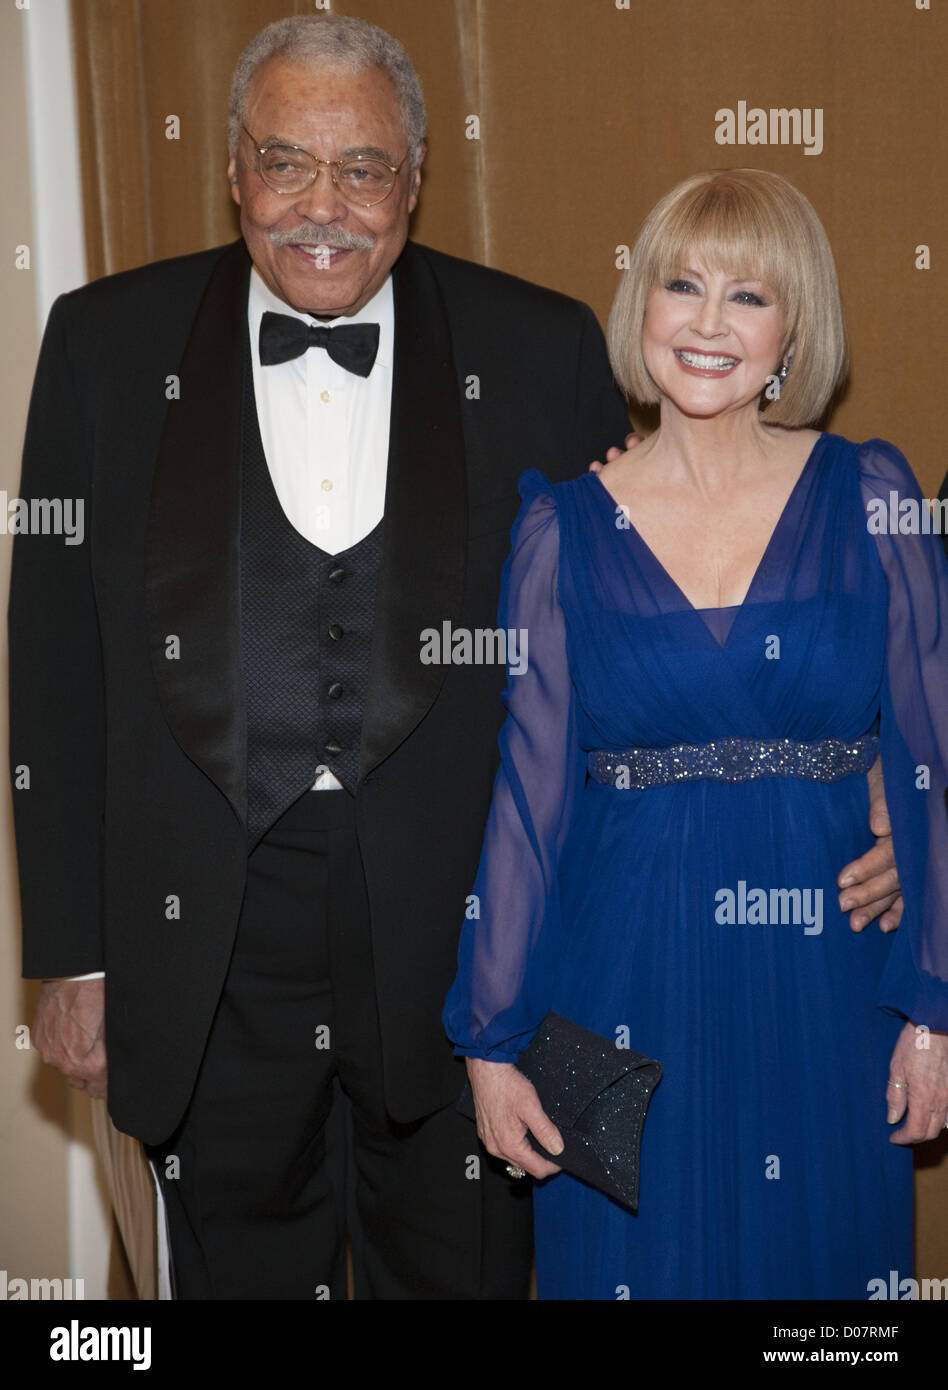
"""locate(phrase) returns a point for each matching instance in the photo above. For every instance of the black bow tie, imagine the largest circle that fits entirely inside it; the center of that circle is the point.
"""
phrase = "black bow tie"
(353, 345)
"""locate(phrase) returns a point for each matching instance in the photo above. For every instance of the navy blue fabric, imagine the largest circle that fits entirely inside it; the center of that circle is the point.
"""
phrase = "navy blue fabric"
(767, 1170)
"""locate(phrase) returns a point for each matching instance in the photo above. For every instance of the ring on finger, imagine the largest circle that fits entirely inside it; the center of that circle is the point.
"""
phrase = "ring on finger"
(515, 1171)
(899, 1085)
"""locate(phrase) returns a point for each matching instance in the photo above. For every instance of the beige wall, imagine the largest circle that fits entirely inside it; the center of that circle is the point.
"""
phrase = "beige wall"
(33, 1103)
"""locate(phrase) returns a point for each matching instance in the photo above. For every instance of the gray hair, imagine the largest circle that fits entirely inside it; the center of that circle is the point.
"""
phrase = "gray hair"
(344, 42)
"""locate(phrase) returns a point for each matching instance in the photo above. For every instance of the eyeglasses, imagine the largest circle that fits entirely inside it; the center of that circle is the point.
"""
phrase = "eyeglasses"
(361, 181)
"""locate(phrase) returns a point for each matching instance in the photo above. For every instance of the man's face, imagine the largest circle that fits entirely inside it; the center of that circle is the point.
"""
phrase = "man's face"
(332, 114)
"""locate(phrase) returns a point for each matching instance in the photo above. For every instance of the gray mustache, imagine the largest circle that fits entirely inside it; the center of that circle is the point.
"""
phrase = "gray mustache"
(337, 238)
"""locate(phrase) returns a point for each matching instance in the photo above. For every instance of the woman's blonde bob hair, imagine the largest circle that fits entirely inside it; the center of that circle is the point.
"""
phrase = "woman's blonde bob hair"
(751, 224)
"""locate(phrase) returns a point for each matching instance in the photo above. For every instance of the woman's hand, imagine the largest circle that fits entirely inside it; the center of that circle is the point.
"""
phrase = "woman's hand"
(507, 1106)
(918, 1079)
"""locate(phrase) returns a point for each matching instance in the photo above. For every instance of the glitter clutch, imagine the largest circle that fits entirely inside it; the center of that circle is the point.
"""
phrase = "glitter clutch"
(597, 1095)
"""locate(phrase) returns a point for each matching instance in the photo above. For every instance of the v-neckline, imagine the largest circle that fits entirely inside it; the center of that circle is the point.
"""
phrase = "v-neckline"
(736, 608)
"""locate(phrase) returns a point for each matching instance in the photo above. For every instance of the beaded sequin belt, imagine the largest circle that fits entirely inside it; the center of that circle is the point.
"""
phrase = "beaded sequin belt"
(732, 760)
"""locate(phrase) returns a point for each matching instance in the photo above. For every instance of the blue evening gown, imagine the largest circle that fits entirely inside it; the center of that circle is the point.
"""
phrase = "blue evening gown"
(767, 1170)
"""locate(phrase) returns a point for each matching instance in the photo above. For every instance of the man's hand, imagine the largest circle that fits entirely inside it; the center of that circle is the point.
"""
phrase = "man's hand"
(69, 1032)
(918, 1081)
(870, 885)
(615, 452)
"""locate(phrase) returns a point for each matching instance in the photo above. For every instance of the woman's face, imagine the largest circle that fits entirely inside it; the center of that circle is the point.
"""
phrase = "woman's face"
(711, 341)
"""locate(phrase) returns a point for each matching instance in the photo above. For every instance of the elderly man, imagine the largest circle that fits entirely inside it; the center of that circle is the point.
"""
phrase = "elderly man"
(252, 803)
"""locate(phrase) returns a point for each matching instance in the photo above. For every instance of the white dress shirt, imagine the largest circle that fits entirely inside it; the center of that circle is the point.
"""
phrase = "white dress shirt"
(324, 429)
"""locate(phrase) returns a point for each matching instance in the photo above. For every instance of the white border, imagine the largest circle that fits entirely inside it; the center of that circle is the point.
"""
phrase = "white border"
(59, 252)
(58, 260)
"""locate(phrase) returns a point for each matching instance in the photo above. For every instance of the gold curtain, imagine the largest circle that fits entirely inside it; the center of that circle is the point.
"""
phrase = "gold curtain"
(588, 111)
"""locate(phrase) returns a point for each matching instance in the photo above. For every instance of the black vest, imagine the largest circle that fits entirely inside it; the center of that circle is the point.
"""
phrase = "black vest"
(306, 630)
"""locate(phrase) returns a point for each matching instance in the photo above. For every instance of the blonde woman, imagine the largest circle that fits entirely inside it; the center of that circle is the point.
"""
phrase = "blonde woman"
(722, 632)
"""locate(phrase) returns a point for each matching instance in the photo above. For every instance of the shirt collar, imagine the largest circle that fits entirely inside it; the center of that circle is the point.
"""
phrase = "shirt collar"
(380, 309)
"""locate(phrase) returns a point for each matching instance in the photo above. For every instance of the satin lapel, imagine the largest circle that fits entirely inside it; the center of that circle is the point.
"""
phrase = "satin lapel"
(424, 550)
(192, 560)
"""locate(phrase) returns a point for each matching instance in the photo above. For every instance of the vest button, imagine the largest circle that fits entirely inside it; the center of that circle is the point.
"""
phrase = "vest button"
(333, 747)
(335, 631)
(335, 690)
(337, 575)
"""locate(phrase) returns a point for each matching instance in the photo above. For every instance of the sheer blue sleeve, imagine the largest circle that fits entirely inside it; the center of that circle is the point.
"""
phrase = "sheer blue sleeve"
(914, 730)
(499, 997)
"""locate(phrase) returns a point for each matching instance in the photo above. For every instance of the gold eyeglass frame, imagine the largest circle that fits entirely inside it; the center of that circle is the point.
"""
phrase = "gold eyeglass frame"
(333, 165)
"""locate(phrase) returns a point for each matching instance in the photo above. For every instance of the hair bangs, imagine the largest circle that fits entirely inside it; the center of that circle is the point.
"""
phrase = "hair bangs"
(724, 232)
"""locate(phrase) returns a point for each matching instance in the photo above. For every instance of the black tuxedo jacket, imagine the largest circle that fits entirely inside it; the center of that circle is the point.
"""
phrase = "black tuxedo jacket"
(127, 707)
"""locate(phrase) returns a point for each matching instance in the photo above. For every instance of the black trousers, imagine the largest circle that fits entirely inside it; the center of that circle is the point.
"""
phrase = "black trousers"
(287, 1143)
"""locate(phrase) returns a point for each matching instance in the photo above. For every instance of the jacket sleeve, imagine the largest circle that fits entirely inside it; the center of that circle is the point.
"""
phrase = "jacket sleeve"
(914, 733)
(57, 719)
(500, 995)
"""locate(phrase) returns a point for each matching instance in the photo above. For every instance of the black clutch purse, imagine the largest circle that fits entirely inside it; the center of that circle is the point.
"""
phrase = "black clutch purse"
(597, 1095)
